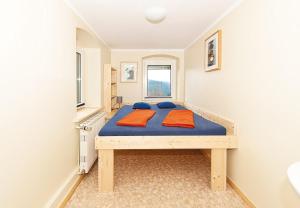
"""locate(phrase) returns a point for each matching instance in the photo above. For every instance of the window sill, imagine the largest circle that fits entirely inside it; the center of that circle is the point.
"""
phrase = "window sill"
(84, 113)
(154, 100)
(158, 97)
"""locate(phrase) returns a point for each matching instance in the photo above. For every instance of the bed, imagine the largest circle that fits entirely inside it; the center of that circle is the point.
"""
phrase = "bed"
(210, 132)
(154, 127)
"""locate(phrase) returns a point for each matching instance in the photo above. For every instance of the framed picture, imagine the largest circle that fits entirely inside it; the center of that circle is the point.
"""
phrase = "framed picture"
(129, 71)
(213, 51)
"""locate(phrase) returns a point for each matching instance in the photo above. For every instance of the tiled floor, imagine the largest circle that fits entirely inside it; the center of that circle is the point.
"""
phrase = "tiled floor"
(156, 179)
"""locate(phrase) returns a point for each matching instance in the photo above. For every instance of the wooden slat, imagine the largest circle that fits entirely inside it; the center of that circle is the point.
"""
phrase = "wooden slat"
(165, 142)
(106, 170)
(209, 116)
(229, 125)
(218, 169)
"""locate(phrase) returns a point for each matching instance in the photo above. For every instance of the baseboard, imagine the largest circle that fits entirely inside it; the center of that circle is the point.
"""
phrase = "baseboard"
(65, 191)
(240, 193)
(233, 185)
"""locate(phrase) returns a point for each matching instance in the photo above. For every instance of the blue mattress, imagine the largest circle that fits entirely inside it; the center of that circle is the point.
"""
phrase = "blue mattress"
(154, 127)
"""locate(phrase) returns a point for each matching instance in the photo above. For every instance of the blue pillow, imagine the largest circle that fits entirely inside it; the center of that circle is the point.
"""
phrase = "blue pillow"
(141, 105)
(166, 105)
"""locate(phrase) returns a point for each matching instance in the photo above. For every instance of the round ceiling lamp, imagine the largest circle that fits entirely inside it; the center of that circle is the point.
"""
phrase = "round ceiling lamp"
(155, 14)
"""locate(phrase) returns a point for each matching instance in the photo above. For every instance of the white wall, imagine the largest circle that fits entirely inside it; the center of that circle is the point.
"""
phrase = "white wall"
(133, 92)
(258, 87)
(39, 144)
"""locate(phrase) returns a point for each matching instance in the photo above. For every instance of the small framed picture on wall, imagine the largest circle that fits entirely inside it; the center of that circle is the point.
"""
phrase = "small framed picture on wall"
(213, 52)
(129, 71)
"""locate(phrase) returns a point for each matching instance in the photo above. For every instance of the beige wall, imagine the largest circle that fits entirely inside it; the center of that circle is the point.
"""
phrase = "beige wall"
(258, 87)
(39, 144)
(85, 39)
(133, 92)
(90, 50)
(93, 78)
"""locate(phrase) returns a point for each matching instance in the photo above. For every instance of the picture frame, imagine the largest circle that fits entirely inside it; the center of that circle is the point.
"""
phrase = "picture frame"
(128, 72)
(213, 52)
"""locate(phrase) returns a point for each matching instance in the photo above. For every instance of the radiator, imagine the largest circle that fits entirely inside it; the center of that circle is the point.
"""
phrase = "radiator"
(88, 131)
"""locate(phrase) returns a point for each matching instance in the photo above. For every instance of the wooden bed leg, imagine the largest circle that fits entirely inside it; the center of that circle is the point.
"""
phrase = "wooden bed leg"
(218, 169)
(106, 170)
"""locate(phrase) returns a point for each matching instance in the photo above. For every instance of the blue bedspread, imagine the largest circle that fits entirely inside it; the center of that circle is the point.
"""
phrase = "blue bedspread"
(154, 127)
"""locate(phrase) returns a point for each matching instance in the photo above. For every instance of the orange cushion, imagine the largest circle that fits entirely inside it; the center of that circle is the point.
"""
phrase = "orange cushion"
(179, 118)
(138, 118)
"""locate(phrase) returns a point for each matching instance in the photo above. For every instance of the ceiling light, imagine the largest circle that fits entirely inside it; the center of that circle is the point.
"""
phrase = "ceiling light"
(155, 14)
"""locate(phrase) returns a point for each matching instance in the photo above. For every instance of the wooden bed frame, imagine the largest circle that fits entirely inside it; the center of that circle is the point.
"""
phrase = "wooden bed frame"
(217, 144)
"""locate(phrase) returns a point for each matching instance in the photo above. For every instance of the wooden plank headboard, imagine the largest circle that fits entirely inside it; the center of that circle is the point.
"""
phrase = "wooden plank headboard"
(229, 125)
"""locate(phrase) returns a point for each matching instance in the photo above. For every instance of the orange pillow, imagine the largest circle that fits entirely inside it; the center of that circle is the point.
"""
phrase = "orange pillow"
(179, 118)
(138, 118)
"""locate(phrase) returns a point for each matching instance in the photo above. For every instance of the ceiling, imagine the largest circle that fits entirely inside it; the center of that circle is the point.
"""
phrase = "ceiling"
(121, 23)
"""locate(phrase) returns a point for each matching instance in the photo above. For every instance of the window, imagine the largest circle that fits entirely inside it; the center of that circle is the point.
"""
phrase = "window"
(159, 78)
(159, 81)
(79, 82)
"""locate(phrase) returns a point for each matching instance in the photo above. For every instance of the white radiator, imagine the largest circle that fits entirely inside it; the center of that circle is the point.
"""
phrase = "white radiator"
(88, 131)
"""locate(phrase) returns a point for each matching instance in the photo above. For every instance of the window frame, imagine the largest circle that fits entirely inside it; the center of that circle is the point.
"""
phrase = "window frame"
(171, 63)
(82, 101)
